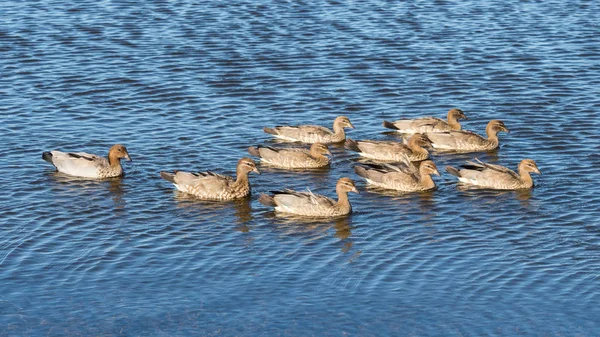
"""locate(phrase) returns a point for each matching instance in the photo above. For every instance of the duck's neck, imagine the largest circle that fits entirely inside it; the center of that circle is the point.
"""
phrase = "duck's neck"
(113, 160)
(416, 148)
(453, 121)
(317, 155)
(492, 135)
(427, 181)
(343, 201)
(338, 129)
(526, 178)
(241, 177)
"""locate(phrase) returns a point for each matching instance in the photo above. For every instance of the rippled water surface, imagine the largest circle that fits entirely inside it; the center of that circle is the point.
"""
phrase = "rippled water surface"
(189, 85)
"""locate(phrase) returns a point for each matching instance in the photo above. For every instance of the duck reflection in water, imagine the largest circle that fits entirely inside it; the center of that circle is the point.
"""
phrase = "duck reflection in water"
(242, 208)
(523, 195)
(93, 187)
(314, 228)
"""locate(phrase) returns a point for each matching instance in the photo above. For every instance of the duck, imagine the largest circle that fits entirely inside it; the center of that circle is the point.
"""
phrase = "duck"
(312, 205)
(313, 133)
(495, 176)
(428, 124)
(467, 141)
(293, 158)
(403, 177)
(212, 186)
(85, 165)
(390, 150)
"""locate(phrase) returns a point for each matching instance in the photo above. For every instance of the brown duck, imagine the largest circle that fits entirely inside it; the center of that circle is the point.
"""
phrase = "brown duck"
(293, 158)
(428, 124)
(467, 141)
(81, 164)
(310, 204)
(495, 176)
(213, 186)
(392, 151)
(400, 177)
(313, 133)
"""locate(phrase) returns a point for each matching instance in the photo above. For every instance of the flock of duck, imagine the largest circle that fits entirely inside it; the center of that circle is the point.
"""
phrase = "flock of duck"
(401, 166)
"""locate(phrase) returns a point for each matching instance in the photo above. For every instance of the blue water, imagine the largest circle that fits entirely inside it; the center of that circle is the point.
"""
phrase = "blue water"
(189, 85)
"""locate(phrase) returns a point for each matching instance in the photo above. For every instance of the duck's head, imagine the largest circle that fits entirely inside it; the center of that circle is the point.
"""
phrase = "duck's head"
(428, 167)
(346, 185)
(420, 140)
(496, 126)
(343, 122)
(246, 165)
(118, 151)
(528, 165)
(456, 114)
(320, 149)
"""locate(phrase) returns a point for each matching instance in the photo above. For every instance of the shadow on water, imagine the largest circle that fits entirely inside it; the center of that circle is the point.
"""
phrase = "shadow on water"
(87, 187)
(522, 195)
(242, 209)
(313, 228)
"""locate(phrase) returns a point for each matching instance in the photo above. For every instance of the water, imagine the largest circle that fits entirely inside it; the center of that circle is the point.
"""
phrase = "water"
(188, 85)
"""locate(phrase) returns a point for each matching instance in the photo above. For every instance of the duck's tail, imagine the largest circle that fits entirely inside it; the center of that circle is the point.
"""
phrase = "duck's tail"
(267, 200)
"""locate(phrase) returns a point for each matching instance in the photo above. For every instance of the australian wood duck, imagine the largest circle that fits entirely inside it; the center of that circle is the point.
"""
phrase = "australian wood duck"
(212, 186)
(428, 124)
(293, 158)
(313, 133)
(401, 177)
(392, 151)
(466, 141)
(495, 176)
(81, 164)
(310, 204)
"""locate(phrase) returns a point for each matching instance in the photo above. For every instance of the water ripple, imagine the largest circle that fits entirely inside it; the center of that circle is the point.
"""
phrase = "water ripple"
(190, 87)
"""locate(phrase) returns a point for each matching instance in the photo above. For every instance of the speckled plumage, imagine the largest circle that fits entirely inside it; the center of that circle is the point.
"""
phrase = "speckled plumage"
(293, 158)
(312, 133)
(81, 164)
(401, 177)
(212, 186)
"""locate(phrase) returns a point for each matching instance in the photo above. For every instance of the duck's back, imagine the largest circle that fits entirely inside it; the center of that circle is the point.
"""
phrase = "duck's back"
(421, 125)
(304, 203)
(290, 158)
(459, 141)
(79, 164)
(302, 133)
(208, 185)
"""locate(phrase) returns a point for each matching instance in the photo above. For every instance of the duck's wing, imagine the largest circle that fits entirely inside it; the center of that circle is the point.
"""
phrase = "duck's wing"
(422, 125)
(204, 184)
(274, 155)
(397, 177)
(386, 150)
(491, 170)
(77, 163)
(300, 132)
(381, 171)
(295, 200)
(457, 140)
